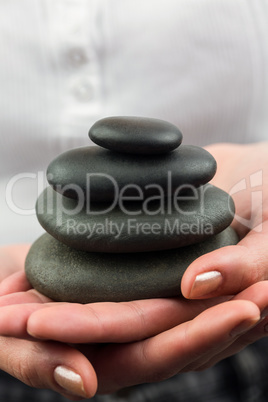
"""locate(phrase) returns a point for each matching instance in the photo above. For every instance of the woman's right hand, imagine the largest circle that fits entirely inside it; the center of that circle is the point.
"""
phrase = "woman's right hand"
(78, 350)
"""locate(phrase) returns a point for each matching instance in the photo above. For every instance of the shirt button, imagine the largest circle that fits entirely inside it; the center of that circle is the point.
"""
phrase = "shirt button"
(83, 90)
(76, 57)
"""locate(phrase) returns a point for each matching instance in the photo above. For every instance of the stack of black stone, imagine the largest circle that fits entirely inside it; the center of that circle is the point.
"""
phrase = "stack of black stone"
(126, 218)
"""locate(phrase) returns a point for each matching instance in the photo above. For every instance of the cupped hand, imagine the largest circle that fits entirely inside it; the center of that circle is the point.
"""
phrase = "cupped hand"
(103, 347)
(109, 346)
(242, 172)
(39, 364)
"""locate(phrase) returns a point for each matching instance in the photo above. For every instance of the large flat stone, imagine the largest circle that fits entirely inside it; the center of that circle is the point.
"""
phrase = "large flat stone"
(135, 135)
(99, 173)
(208, 212)
(65, 274)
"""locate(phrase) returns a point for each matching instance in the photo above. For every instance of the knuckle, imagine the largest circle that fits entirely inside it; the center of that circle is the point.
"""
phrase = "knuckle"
(139, 313)
(20, 362)
(22, 369)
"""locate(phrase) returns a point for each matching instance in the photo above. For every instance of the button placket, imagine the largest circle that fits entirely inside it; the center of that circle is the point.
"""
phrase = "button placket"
(79, 70)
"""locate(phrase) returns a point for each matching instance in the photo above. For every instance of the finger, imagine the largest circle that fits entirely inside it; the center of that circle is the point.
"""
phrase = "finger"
(15, 283)
(98, 322)
(31, 296)
(258, 332)
(166, 354)
(17, 327)
(112, 322)
(258, 294)
(49, 365)
(230, 269)
(19, 306)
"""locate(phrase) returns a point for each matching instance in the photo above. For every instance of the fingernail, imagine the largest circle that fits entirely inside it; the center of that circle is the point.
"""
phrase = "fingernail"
(205, 283)
(244, 326)
(70, 381)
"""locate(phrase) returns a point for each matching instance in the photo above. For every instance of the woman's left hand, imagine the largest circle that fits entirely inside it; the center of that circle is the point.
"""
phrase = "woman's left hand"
(243, 173)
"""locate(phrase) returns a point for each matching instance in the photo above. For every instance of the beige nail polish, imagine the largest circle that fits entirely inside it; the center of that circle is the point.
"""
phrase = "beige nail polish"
(205, 283)
(70, 381)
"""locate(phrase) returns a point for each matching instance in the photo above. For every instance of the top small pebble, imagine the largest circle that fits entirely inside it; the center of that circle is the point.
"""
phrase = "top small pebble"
(135, 135)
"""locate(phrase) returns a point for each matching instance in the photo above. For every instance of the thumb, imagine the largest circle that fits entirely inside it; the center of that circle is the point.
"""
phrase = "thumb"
(49, 365)
(228, 270)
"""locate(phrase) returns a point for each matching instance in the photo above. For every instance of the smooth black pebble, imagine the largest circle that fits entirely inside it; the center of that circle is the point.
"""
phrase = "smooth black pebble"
(65, 274)
(102, 175)
(194, 218)
(135, 135)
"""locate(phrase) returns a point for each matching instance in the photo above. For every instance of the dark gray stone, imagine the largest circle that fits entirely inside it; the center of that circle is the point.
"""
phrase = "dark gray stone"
(190, 221)
(99, 173)
(135, 135)
(65, 274)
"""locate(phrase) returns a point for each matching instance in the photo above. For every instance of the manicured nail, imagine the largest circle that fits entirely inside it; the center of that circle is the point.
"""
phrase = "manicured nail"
(244, 327)
(205, 283)
(70, 381)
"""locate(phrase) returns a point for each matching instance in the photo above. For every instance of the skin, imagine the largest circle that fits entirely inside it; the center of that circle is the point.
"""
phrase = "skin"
(247, 262)
(114, 345)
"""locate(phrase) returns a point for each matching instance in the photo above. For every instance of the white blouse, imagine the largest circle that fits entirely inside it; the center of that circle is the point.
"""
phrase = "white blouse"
(200, 64)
